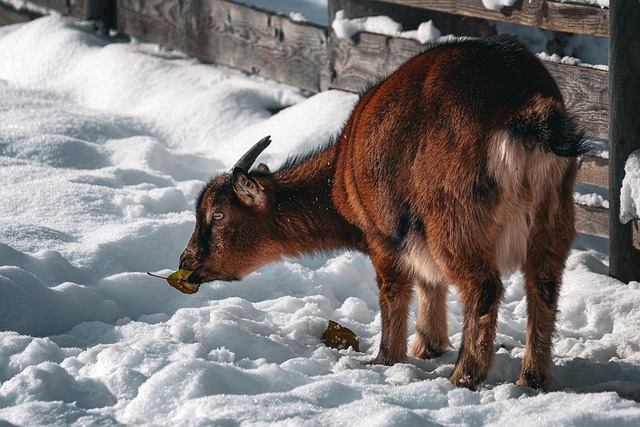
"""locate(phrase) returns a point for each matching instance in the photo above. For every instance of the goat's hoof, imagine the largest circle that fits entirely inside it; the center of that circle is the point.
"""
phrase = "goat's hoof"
(382, 359)
(467, 380)
(428, 352)
(534, 380)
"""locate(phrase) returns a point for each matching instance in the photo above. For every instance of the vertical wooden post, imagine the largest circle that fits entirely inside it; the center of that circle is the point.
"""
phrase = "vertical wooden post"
(103, 12)
(624, 129)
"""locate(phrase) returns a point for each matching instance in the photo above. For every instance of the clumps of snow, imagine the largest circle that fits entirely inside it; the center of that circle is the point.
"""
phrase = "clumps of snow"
(598, 147)
(346, 28)
(578, 49)
(592, 200)
(569, 60)
(498, 4)
(602, 3)
(426, 32)
(298, 17)
(630, 191)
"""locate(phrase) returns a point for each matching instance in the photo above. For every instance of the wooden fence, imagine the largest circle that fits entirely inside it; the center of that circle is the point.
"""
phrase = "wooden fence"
(312, 57)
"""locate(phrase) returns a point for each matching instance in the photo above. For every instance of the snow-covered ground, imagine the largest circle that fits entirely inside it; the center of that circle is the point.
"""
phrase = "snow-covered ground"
(104, 146)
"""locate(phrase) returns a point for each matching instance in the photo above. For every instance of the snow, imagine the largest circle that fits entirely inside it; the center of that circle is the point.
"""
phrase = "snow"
(346, 28)
(593, 200)
(104, 145)
(498, 4)
(602, 3)
(577, 49)
(630, 191)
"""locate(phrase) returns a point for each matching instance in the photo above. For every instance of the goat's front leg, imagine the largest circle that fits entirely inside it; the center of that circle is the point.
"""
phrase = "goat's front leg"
(481, 297)
(396, 291)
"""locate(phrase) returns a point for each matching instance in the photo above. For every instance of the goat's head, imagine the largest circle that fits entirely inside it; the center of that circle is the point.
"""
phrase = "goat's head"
(231, 237)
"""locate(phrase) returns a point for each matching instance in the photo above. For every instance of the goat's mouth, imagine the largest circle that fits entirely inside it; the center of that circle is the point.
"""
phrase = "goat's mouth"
(185, 287)
(201, 275)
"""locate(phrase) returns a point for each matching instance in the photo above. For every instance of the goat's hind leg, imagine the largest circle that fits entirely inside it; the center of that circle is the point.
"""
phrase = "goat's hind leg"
(396, 291)
(543, 278)
(432, 337)
(481, 294)
(548, 246)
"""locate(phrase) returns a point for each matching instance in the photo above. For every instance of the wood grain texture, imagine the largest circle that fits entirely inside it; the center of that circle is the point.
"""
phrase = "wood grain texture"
(9, 15)
(624, 83)
(586, 94)
(550, 15)
(232, 34)
(594, 171)
(593, 221)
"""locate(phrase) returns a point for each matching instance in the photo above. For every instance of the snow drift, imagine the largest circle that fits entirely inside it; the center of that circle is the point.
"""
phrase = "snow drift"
(104, 146)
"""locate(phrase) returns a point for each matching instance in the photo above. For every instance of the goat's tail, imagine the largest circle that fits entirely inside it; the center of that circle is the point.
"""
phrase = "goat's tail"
(545, 124)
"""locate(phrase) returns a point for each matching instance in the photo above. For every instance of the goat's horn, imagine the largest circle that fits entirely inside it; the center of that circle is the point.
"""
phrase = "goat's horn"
(250, 156)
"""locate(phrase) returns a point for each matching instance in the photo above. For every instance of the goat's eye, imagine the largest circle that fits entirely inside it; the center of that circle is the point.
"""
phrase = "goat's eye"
(218, 216)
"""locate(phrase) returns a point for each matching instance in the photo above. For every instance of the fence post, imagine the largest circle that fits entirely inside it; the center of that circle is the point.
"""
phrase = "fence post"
(624, 129)
(102, 12)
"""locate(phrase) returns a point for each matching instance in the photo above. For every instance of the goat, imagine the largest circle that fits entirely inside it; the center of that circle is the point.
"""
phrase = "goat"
(455, 169)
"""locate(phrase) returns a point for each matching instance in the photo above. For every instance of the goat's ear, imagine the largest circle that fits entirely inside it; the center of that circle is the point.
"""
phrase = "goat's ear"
(248, 190)
(262, 168)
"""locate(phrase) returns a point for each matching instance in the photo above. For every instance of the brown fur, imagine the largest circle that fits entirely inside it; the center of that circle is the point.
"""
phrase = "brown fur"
(457, 168)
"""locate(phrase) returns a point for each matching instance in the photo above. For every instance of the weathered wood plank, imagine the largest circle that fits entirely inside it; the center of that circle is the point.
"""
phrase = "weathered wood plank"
(357, 63)
(593, 221)
(586, 93)
(73, 8)
(594, 171)
(232, 34)
(412, 17)
(367, 59)
(550, 15)
(9, 15)
(624, 82)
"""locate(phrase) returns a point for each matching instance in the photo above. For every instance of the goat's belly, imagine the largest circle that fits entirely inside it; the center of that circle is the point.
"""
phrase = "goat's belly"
(512, 240)
(419, 262)
(510, 250)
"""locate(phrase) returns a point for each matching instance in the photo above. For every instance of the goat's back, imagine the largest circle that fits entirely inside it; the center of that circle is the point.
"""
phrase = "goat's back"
(462, 151)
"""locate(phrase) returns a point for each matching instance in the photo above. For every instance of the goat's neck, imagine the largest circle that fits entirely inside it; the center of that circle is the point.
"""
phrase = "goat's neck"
(305, 212)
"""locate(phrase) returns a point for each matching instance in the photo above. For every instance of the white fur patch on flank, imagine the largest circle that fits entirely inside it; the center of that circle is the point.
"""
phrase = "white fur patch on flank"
(507, 160)
(528, 183)
(418, 260)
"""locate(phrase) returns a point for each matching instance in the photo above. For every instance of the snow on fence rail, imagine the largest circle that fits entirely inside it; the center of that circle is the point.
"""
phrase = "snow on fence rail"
(314, 58)
(549, 15)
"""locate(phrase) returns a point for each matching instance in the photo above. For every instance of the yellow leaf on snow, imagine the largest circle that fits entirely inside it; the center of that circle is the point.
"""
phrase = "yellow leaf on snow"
(340, 337)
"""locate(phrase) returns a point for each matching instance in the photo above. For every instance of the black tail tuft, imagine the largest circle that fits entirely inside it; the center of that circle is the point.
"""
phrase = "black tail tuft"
(549, 129)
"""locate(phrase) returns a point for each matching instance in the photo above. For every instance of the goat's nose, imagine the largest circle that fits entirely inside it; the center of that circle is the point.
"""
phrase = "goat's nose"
(184, 258)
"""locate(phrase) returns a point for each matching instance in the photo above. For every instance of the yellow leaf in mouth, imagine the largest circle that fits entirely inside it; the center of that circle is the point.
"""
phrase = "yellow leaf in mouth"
(178, 280)
(337, 336)
(180, 275)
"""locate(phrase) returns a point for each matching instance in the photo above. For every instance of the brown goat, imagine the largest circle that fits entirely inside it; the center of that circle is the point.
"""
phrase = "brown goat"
(457, 168)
